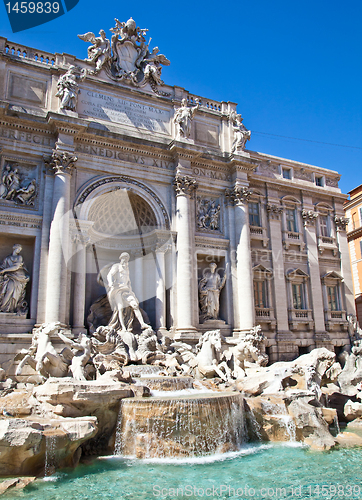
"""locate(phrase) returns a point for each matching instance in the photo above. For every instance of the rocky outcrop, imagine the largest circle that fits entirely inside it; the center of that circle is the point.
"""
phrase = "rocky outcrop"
(289, 417)
(305, 373)
(350, 378)
(28, 445)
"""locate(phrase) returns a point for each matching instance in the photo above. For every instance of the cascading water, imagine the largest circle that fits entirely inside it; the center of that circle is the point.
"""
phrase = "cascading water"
(279, 412)
(50, 458)
(188, 426)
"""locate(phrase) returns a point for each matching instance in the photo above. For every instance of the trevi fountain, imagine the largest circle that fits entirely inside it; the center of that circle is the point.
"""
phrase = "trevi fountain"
(126, 380)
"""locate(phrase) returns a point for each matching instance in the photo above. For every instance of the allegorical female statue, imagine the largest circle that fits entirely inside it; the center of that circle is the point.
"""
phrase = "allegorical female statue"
(13, 280)
(210, 287)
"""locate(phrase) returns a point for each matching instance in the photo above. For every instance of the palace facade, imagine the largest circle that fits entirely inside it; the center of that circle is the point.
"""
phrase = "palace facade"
(100, 157)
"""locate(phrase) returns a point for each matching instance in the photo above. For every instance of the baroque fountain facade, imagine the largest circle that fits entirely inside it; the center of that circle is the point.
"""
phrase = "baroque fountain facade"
(144, 248)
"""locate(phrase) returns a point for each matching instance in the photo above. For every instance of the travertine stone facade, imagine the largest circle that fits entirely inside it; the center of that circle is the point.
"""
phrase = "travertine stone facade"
(108, 170)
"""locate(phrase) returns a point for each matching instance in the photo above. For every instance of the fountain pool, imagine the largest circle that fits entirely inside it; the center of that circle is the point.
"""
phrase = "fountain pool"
(264, 470)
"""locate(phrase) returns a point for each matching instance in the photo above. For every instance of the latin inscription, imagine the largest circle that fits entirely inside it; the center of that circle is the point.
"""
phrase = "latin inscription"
(16, 135)
(120, 155)
(135, 114)
(211, 174)
(19, 224)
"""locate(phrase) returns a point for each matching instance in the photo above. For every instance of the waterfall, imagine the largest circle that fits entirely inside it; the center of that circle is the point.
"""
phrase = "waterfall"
(336, 425)
(50, 458)
(188, 426)
(279, 413)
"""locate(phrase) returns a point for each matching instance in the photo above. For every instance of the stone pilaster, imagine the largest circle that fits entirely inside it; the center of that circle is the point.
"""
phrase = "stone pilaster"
(238, 197)
(341, 226)
(160, 289)
(280, 291)
(309, 220)
(185, 187)
(63, 164)
(80, 245)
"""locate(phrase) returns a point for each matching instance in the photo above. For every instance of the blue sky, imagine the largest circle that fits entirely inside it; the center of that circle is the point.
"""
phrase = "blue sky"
(294, 68)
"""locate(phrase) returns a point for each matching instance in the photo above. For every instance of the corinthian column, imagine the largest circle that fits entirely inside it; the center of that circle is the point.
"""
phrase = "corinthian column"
(184, 187)
(59, 238)
(238, 197)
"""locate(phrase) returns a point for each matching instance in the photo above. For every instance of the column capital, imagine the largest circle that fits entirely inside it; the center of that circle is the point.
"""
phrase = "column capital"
(273, 211)
(309, 217)
(237, 195)
(184, 185)
(341, 222)
(63, 162)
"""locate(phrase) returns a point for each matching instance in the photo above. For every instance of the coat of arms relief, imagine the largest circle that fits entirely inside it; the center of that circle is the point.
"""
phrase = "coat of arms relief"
(127, 58)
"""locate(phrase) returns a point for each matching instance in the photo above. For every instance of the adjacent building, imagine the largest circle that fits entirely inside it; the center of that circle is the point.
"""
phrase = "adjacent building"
(108, 159)
(353, 211)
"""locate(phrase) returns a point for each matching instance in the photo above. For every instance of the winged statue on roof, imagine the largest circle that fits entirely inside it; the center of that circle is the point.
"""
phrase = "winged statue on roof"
(127, 58)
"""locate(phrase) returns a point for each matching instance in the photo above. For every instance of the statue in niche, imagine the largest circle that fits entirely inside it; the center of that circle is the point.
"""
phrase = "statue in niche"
(241, 133)
(120, 294)
(99, 52)
(210, 287)
(12, 188)
(183, 118)
(68, 89)
(13, 280)
(208, 216)
(125, 307)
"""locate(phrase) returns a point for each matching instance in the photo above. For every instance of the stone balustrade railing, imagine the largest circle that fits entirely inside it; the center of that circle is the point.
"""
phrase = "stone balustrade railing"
(24, 52)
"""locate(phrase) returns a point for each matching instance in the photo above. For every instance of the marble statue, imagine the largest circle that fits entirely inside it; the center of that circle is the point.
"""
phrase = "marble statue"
(210, 287)
(183, 118)
(246, 351)
(120, 294)
(68, 90)
(127, 57)
(241, 133)
(99, 53)
(80, 353)
(13, 189)
(13, 280)
(41, 355)
(153, 66)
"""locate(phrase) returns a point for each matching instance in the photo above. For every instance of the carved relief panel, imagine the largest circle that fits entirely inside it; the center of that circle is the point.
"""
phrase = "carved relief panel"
(19, 183)
(208, 214)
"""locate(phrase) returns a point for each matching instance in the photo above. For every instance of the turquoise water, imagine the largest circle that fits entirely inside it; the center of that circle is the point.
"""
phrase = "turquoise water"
(260, 469)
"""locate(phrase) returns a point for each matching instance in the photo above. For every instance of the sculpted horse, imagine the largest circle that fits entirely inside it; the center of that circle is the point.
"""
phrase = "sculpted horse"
(41, 355)
(247, 350)
(209, 356)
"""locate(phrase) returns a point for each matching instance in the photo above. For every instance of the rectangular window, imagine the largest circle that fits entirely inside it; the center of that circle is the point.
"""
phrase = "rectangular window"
(291, 220)
(360, 244)
(260, 294)
(298, 296)
(287, 173)
(319, 181)
(333, 298)
(323, 225)
(360, 216)
(254, 216)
